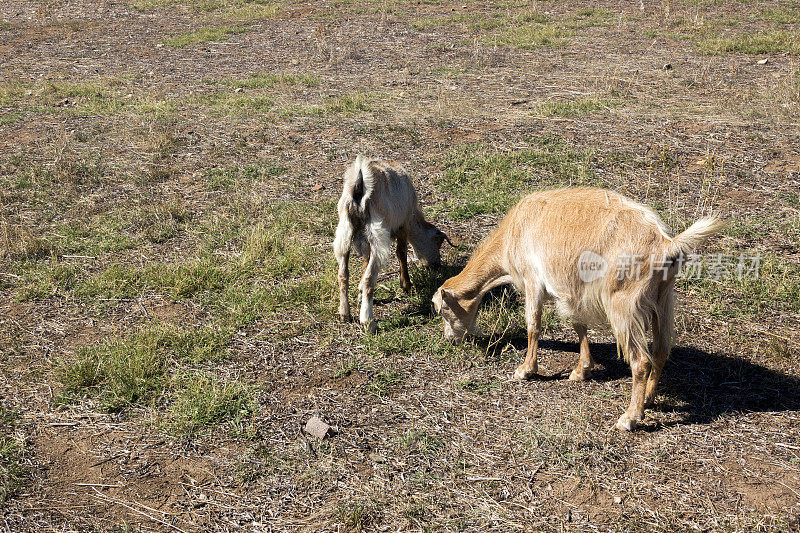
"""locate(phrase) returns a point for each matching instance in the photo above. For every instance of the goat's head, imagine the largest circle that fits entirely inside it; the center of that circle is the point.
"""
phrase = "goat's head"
(458, 320)
(429, 249)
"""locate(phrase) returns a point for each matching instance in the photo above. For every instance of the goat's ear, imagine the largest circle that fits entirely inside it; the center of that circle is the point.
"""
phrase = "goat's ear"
(442, 238)
(446, 296)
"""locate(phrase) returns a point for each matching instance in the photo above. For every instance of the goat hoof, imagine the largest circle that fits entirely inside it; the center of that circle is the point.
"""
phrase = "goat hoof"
(626, 423)
(576, 375)
(523, 374)
(345, 318)
(370, 327)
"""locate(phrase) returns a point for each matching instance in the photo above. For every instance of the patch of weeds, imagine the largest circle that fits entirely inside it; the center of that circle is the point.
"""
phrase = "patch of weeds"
(480, 179)
(203, 35)
(6, 26)
(532, 36)
(135, 370)
(419, 440)
(13, 469)
(408, 340)
(234, 176)
(161, 222)
(589, 17)
(357, 515)
(384, 379)
(763, 42)
(475, 22)
(7, 119)
(204, 401)
(102, 96)
(341, 105)
(223, 103)
(345, 368)
(782, 14)
(20, 244)
(579, 107)
(125, 372)
(775, 288)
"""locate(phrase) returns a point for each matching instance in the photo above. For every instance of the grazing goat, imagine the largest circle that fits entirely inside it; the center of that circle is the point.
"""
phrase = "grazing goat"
(604, 259)
(379, 204)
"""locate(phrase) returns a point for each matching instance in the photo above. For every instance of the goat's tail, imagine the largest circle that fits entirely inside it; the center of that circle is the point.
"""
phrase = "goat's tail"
(694, 236)
(359, 193)
(369, 234)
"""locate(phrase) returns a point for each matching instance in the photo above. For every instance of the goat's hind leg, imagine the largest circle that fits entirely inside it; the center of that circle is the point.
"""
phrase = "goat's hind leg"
(533, 318)
(367, 286)
(341, 249)
(585, 363)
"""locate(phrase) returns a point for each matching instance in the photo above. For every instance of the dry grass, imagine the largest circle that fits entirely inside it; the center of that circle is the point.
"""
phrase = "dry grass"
(168, 294)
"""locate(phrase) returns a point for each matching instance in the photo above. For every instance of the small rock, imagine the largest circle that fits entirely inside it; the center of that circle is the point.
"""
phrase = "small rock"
(238, 90)
(667, 66)
(763, 61)
(617, 500)
(317, 187)
(316, 427)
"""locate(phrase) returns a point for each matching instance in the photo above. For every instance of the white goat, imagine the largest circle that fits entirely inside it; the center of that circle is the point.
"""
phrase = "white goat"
(604, 259)
(379, 204)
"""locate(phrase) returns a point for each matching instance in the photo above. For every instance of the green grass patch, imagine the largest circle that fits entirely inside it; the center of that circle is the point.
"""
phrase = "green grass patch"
(124, 372)
(234, 176)
(479, 179)
(578, 107)
(421, 441)
(13, 469)
(227, 104)
(782, 14)
(7, 119)
(206, 401)
(383, 380)
(136, 370)
(532, 36)
(731, 290)
(348, 104)
(203, 35)
(762, 42)
(98, 97)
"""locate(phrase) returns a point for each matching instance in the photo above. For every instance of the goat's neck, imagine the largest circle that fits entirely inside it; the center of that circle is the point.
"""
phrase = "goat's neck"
(483, 272)
(419, 230)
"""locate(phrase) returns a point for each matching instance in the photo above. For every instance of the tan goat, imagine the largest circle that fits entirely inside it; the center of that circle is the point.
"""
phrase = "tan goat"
(604, 259)
(378, 205)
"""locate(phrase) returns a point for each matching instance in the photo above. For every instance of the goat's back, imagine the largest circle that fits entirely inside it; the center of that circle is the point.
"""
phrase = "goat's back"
(551, 235)
(387, 191)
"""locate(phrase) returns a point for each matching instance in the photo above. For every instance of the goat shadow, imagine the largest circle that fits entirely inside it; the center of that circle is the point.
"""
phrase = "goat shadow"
(706, 385)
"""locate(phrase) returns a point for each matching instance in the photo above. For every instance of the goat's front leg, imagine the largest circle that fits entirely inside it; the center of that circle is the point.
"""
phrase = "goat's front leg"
(402, 256)
(533, 319)
(585, 363)
(367, 287)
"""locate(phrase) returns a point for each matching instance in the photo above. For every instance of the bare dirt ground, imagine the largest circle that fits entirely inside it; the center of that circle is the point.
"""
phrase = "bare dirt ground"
(168, 176)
